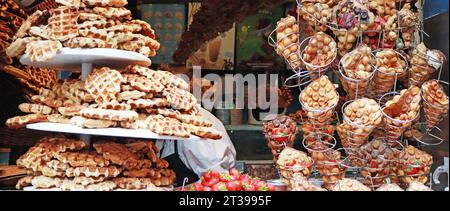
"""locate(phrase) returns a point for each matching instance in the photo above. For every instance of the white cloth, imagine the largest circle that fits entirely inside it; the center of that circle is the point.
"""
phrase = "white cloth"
(201, 156)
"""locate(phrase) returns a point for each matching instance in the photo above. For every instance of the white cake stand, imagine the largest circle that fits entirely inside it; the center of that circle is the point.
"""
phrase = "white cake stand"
(76, 59)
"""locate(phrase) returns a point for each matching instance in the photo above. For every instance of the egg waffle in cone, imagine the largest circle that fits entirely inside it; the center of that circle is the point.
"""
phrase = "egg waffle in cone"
(292, 161)
(399, 112)
(316, 15)
(378, 159)
(319, 101)
(435, 103)
(279, 134)
(415, 165)
(356, 71)
(319, 53)
(421, 64)
(287, 41)
(390, 65)
(63, 24)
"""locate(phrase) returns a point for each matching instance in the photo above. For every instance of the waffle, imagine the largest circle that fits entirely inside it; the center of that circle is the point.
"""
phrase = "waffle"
(292, 162)
(205, 132)
(389, 65)
(41, 76)
(141, 123)
(435, 103)
(35, 108)
(377, 159)
(85, 181)
(140, 27)
(320, 52)
(63, 25)
(110, 171)
(35, 19)
(415, 165)
(150, 173)
(57, 165)
(108, 114)
(22, 121)
(148, 103)
(24, 182)
(70, 3)
(328, 163)
(408, 21)
(113, 13)
(138, 46)
(400, 112)
(87, 16)
(43, 182)
(105, 3)
(390, 187)
(93, 32)
(77, 159)
(60, 144)
(316, 15)
(41, 51)
(130, 95)
(71, 185)
(104, 83)
(143, 84)
(357, 64)
(83, 42)
(168, 79)
(350, 185)
(39, 31)
(133, 183)
(58, 118)
(168, 126)
(287, 40)
(70, 111)
(48, 101)
(180, 99)
(91, 123)
(113, 105)
(18, 47)
(184, 118)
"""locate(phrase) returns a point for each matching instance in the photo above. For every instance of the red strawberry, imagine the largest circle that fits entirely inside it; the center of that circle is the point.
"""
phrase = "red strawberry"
(249, 188)
(238, 185)
(235, 177)
(206, 189)
(197, 187)
(245, 179)
(225, 177)
(215, 174)
(221, 186)
(235, 172)
(271, 187)
(373, 164)
(231, 186)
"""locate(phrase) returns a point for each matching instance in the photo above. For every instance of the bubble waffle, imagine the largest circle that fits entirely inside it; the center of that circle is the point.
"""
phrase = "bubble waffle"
(168, 126)
(350, 185)
(287, 41)
(35, 108)
(22, 121)
(63, 24)
(318, 101)
(435, 103)
(104, 83)
(292, 161)
(319, 52)
(180, 99)
(91, 123)
(390, 65)
(110, 171)
(377, 159)
(113, 13)
(105, 3)
(420, 70)
(415, 165)
(84, 42)
(357, 71)
(400, 112)
(408, 21)
(44, 50)
(316, 15)
(43, 182)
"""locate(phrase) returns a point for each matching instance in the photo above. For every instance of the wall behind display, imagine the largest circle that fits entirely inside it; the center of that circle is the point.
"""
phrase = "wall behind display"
(217, 54)
(169, 22)
(252, 48)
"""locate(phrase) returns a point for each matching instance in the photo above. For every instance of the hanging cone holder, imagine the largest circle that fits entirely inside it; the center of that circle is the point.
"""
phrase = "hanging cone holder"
(319, 119)
(393, 128)
(276, 144)
(421, 72)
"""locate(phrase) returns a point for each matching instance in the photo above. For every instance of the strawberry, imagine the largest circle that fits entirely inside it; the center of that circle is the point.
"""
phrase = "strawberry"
(235, 172)
(238, 185)
(271, 187)
(206, 189)
(197, 187)
(225, 177)
(231, 186)
(373, 164)
(221, 186)
(215, 174)
(249, 188)
(235, 177)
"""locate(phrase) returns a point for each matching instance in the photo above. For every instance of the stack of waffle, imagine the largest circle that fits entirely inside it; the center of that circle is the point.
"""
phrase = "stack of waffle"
(11, 18)
(58, 162)
(134, 98)
(82, 24)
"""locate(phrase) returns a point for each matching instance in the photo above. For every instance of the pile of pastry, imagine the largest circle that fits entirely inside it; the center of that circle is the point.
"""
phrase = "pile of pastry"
(11, 18)
(134, 98)
(59, 162)
(82, 24)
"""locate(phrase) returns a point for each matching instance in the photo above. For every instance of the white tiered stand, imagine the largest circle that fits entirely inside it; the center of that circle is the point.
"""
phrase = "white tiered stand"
(85, 60)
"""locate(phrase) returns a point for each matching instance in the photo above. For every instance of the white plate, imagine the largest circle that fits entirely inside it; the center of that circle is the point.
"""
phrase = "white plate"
(116, 132)
(70, 59)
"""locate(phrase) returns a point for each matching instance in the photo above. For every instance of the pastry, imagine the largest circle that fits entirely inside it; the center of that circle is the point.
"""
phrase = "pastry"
(205, 132)
(417, 186)
(85, 181)
(22, 121)
(287, 41)
(105, 3)
(168, 126)
(35, 108)
(148, 103)
(435, 103)
(63, 24)
(71, 185)
(180, 99)
(292, 161)
(91, 123)
(43, 182)
(107, 114)
(113, 13)
(104, 83)
(130, 95)
(415, 165)
(390, 65)
(110, 171)
(133, 183)
(24, 182)
(319, 53)
(58, 118)
(80, 159)
(44, 50)
(390, 187)
(350, 185)
(85, 42)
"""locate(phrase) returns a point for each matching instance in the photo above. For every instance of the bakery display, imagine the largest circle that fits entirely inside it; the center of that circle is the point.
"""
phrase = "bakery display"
(104, 100)
(59, 162)
(82, 24)
(292, 161)
(390, 66)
